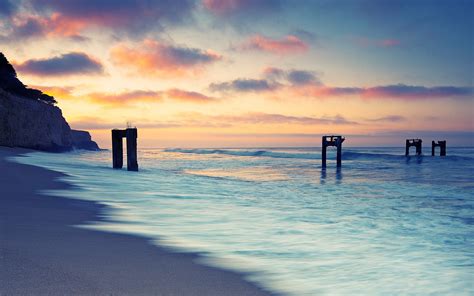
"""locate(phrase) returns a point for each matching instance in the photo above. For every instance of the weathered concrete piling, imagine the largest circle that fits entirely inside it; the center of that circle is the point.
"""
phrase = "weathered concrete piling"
(332, 141)
(131, 135)
(441, 145)
(413, 142)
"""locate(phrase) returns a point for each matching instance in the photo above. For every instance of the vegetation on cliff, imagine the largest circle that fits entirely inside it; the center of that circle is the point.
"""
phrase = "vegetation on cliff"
(10, 83)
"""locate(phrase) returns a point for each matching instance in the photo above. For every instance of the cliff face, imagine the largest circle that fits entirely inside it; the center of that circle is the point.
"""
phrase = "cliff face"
(32, 124)
(29, 119)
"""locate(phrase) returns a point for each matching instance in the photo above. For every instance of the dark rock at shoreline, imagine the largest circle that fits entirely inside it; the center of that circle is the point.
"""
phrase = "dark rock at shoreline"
(83, 140)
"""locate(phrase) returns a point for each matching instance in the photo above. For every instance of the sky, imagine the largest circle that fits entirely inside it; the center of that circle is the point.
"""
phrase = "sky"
(251, 73)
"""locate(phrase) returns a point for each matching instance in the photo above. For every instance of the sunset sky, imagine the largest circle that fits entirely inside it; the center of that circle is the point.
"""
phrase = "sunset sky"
(251, 73)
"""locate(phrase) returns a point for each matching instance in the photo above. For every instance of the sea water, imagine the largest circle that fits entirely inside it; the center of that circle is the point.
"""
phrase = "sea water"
(384, 224)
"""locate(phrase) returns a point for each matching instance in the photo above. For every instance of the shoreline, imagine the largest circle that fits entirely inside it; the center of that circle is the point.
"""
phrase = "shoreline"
(42, 253)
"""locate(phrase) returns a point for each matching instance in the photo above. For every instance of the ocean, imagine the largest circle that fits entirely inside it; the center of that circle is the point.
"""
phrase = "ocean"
(383, 224)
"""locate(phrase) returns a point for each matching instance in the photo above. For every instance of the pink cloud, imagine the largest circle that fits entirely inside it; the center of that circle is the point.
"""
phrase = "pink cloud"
(367, 42)
(290, 44)
(389, 42)
(241, 7)
(128, 98)
(188, 96)
(222, 6)
(163, 60)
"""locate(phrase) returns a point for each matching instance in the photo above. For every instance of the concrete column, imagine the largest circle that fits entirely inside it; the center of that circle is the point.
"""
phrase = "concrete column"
(132, 163)
(339, 152)
(442, 148)
(117, 149)
(418, 148)
(323, 152)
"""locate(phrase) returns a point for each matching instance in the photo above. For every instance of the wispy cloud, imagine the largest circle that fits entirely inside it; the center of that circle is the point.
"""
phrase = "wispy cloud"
(128, 98)
(238, 7)
(293, 76)
(307, 84)
(289, 44)
(187, 120)
(389, 118)
(188, 96)
(74, 63)
(244, 85)
(61, 92)
(133, 17)
(161, 59)
(269, 118)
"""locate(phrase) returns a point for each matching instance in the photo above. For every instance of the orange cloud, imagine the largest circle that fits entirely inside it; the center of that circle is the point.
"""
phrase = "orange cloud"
(288, 45)
(188, 96)
(128, 98)
(55, 91)
(163, 60)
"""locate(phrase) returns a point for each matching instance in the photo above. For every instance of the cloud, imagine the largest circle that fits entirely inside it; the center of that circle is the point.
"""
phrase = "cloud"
(34, 26)
(294, 77)
(289, 44)
(367, 42)
(226, 8)
(300, 77)
(96, 123)
(62, 92)
(416, 92)
(188, 96)
(305, 35)
(193, 119)
(307, 84)
(268, 118)
(129, 16)
(390, 118)
(163, 60)
(244, 85)
(128, 98)
(389, 42)
(396, 91)
(74, 63)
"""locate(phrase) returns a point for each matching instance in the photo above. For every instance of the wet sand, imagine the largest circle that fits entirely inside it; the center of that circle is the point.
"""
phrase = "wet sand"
(42, 253)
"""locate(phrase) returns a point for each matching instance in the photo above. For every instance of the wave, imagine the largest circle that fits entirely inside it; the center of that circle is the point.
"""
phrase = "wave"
(347, 155)
(251, 153)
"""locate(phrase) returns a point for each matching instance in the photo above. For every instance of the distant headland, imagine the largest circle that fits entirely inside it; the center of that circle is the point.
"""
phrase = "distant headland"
(30, 119)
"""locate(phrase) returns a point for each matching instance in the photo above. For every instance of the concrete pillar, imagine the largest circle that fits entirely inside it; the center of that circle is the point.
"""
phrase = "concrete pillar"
(339, 152)
(441, 145)
(418, 148)
(413, 142)
(117, 149)
(442, 148)
(132, 163)
(323, 152)
(332, 141)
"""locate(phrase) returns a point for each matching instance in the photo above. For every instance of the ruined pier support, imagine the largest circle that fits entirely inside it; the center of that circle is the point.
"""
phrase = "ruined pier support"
(413, 142)
(131, 135)
(332, 141)
(441, 145)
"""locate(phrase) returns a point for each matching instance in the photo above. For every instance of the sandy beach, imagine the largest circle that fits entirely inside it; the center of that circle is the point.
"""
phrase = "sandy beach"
(42, 253)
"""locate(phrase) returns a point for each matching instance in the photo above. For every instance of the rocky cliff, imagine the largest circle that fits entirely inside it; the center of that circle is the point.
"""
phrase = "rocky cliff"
(29, 119)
